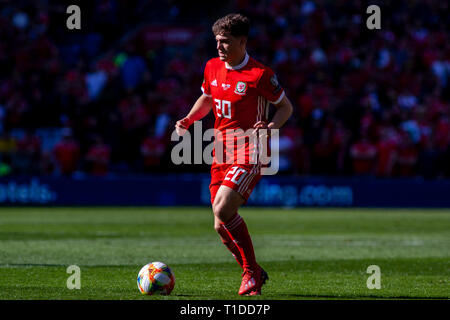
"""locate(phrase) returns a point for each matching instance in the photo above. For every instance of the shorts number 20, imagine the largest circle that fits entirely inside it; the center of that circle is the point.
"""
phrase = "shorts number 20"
(234, 173)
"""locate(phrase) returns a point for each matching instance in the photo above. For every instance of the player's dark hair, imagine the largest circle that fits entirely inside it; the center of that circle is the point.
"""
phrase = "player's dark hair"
(234, 23)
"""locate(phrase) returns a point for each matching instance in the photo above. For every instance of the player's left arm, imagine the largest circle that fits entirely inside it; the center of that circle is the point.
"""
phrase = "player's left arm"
(283, 113)
(271, 89)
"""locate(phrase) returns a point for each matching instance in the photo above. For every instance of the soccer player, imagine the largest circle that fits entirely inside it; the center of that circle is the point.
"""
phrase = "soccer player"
(239, 90)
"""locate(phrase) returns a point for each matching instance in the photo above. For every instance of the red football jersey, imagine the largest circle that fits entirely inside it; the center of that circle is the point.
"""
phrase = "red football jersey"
(241, 95)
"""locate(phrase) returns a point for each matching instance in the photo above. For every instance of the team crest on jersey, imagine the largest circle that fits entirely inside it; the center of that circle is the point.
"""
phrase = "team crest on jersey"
(241, 88)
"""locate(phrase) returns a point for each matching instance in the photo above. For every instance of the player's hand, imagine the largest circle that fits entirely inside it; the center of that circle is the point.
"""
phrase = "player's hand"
(182, 125)
(261, 125)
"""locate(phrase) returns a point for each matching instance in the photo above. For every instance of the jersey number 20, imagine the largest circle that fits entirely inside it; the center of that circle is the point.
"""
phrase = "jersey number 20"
(223, 108)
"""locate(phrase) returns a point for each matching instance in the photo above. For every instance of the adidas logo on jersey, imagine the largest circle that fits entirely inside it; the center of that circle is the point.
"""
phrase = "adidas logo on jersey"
(214, 83)
(225, 86)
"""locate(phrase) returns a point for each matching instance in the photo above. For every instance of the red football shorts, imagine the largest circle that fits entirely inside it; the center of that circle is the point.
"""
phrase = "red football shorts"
(242, 178)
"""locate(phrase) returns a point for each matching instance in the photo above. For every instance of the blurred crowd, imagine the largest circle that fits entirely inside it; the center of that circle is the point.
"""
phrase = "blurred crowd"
(367, 102)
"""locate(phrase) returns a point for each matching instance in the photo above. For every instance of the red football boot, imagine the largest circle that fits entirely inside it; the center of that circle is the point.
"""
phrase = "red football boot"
(257, 291)
(252, 281)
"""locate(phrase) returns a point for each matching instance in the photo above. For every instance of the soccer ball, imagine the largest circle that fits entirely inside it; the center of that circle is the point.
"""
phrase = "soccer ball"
(156, 278)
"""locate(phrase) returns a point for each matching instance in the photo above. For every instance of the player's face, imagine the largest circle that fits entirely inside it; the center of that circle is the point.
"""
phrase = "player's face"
(230, 48)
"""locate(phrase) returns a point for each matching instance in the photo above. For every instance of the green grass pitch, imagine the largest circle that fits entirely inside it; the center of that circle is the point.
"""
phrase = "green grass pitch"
(308, 253)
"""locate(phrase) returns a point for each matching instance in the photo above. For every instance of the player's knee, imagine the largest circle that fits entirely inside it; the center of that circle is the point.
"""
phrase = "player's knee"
(217, 226)
(217, 209)
(220, 211)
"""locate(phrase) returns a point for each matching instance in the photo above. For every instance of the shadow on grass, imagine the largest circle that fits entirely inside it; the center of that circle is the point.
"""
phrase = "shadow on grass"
(353, 297)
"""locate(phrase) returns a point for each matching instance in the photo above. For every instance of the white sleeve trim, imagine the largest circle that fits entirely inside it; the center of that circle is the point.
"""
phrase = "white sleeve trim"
(203, 90)
(279, 99)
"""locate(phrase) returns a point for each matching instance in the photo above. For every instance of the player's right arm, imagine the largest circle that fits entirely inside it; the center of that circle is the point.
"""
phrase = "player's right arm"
(201, 108)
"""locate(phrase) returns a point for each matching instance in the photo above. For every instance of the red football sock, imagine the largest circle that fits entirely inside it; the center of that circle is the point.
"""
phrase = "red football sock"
(238, 231)
(229, 243)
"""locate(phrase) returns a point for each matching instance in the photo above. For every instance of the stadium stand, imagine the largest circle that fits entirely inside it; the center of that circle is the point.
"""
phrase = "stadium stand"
(371, 103)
